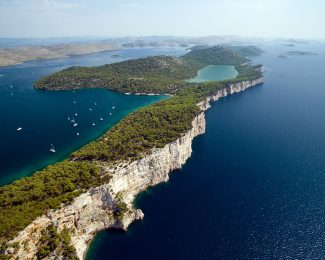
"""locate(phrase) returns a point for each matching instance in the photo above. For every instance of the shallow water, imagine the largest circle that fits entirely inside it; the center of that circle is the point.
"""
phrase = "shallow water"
(254, 187)
(215, 72)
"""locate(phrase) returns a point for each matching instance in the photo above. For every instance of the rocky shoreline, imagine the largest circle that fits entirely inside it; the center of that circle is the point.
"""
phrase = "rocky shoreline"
(93, 210)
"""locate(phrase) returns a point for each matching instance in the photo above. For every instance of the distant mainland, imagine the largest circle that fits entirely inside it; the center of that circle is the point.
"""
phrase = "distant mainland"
(16, 51)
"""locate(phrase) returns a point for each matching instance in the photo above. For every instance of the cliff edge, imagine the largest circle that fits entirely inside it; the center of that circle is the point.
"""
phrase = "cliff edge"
(111, 204)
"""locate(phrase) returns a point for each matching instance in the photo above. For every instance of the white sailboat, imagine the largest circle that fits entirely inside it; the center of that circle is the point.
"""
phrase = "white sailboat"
(101, 119)
(93, 124)
(52, 149)
(19, 129)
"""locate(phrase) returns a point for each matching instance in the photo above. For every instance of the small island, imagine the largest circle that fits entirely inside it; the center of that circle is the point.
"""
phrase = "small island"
(282, 56)
(301, 53)
(58, 210)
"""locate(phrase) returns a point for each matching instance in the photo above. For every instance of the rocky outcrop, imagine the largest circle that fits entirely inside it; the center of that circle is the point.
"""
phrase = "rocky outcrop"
(95, 209)
(229, 90)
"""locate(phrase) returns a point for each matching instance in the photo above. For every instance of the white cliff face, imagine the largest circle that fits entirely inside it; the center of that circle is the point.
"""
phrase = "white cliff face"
(156, 166)
(93, 210)
(231, 89)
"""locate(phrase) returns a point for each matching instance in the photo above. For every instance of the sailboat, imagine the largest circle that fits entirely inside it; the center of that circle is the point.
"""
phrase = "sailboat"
(19, 129)
(75, 124)
(93, 124)
(77, 133)
(113, 107)
(52, 149)
(101, 119)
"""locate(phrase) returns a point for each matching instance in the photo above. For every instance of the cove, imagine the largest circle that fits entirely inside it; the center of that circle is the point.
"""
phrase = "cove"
(43, 115)
(215, 72)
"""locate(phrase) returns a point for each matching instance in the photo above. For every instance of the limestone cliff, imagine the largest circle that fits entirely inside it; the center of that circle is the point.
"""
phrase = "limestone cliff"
(95, 210)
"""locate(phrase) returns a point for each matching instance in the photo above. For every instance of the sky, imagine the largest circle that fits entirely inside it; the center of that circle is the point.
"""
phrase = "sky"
(115, 18)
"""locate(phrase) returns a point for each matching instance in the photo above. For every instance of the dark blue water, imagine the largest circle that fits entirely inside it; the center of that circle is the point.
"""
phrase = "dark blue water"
(43, 116)
(254, 187)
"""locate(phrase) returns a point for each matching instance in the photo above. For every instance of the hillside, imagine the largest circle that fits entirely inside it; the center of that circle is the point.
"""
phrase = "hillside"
(244, 51)
(133, 138)
(159, 74)
(215, 55)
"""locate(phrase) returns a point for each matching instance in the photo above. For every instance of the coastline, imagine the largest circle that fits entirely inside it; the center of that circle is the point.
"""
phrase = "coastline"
(98, 203)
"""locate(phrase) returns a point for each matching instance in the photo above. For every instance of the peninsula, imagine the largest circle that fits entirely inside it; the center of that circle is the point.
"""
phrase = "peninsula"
(58, 210)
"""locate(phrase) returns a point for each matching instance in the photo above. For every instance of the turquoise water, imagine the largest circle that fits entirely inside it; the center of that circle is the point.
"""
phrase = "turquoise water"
(254, 187)
(215, 72)
(43, 116)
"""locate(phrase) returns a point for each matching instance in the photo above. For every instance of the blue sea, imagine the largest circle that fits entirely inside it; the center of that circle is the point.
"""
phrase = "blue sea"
(254, 187)
(45, 116)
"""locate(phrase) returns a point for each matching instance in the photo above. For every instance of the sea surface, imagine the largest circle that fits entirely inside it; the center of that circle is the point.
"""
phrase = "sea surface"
(215, 72)
(254, 187)
(43, 115)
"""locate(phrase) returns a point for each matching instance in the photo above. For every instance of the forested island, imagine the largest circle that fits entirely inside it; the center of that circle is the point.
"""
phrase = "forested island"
(132, 139)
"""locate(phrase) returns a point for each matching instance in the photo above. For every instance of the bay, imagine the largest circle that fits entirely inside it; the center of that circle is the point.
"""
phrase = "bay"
(43, 115)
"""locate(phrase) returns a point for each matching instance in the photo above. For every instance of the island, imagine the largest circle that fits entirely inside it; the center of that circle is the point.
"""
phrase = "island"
(56, 212)
(301, 53)
(282, 56)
